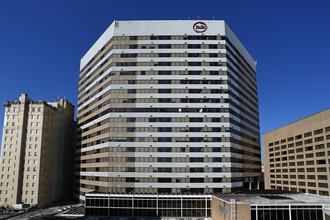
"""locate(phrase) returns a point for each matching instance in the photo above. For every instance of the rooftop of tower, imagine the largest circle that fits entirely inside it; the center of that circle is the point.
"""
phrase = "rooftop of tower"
(165, 27)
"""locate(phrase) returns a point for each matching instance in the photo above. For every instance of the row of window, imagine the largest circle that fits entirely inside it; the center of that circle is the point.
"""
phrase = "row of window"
(176, 55)
(32, 185)
(170, 37)
(30, 154)
(309, 184)
(310, 177)
(171, 180)
(34, 177)
(164, 159)
(154, 190)
(169, 170)
(300, 170)
(300, 156)
(28, 169)
(308, 148)
(167, 149)
(167, 81)
(114, 91)
(27, 192)
(9, 161)
(300, 136)
(168, 46)
(112, 120)
(17, 109)
(5, 146)
(300, 163)
(3, 176)
(35, 139)
(166, 100)
(158, 129)
(2, 184)
(8, 116)
(12, 131)
(9, 153)
(151, 64)
(10, 124)
(298, 150)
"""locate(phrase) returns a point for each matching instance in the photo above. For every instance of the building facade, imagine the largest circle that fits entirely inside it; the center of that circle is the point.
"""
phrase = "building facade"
(167, 107)
(250, 205)
(36, 152)
(297, 156)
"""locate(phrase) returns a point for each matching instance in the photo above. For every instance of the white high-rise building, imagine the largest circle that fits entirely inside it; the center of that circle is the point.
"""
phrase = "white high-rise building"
(167, 107)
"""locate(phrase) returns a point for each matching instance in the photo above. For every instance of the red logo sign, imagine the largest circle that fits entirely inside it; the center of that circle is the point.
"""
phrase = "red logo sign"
(200, 27)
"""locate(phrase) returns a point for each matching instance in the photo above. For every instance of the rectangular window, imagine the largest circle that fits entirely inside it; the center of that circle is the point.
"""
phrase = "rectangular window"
(319, 131)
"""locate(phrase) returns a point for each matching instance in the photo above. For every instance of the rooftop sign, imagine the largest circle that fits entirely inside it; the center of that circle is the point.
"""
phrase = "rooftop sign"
(200, 27)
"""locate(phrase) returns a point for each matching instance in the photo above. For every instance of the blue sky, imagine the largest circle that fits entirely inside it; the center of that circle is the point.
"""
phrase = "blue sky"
(42, 42)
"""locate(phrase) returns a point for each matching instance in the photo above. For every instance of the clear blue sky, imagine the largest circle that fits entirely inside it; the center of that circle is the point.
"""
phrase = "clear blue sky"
(42, 42)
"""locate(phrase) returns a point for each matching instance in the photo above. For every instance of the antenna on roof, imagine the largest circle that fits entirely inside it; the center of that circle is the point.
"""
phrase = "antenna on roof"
(213, 17)
(188, 18)
(198, 17)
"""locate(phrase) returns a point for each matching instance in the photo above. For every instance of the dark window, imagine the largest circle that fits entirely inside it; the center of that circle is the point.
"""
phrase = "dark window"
(164, 55)
(164, 46)
(194, 46)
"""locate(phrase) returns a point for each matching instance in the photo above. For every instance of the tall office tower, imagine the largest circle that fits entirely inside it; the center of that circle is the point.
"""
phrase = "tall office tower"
(37, 151)
(167, 107)
(297, 156)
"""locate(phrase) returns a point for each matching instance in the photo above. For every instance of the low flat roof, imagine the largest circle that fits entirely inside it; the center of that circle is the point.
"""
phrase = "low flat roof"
(274, 197)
